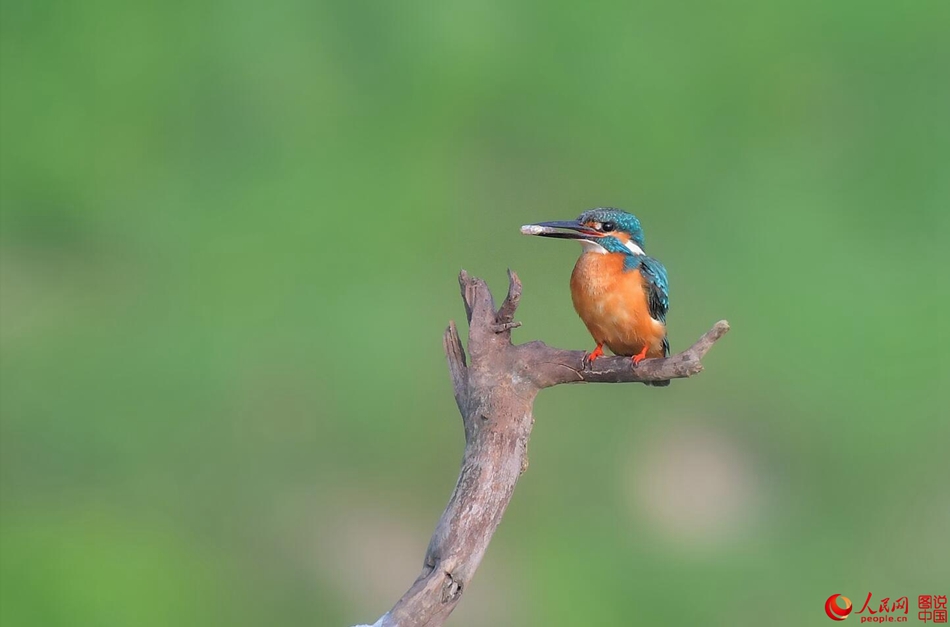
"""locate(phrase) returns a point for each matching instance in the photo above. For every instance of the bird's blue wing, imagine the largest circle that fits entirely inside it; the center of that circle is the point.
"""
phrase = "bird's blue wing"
(656, 285)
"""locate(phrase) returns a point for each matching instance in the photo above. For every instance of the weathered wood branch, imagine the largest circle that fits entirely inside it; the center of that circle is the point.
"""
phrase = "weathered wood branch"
(495, 394)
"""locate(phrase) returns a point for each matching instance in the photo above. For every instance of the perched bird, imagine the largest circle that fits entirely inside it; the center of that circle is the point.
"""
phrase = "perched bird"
(620, 293)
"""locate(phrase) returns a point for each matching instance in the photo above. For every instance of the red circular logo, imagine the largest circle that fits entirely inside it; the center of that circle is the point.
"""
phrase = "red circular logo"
(835, 611)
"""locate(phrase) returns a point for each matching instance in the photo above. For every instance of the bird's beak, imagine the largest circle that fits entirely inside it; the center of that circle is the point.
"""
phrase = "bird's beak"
(571, 229)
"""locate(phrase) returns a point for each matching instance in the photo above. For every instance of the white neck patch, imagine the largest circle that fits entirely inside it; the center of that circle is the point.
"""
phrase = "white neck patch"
(636, 250)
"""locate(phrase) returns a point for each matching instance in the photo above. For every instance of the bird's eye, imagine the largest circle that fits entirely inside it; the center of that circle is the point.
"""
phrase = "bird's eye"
(607, 227)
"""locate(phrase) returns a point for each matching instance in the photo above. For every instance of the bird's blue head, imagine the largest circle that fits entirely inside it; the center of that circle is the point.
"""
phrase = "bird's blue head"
(604, 229)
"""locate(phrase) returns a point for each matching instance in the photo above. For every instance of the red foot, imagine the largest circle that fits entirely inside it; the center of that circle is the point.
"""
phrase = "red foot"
(640, 356)
(597, 352)
(594, 354)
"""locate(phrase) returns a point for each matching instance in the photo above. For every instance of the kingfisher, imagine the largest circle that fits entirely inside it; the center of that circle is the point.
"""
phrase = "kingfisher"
(621, 294)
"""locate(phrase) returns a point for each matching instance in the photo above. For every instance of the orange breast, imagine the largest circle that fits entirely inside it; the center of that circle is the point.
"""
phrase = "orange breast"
(613, 305)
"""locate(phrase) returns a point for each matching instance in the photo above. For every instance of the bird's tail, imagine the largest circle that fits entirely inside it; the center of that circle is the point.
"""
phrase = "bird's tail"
(658, 384)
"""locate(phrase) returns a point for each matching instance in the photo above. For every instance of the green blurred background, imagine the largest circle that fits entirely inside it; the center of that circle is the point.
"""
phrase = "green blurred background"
(230, 239)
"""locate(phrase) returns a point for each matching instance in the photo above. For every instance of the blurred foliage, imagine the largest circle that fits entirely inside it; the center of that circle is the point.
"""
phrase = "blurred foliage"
(230, 234)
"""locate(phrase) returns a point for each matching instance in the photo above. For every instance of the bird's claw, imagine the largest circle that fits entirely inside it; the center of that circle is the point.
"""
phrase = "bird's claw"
(640, 356)
(591, 356)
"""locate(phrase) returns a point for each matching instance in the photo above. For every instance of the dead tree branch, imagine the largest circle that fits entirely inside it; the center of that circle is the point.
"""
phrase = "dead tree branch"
(495, 394)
